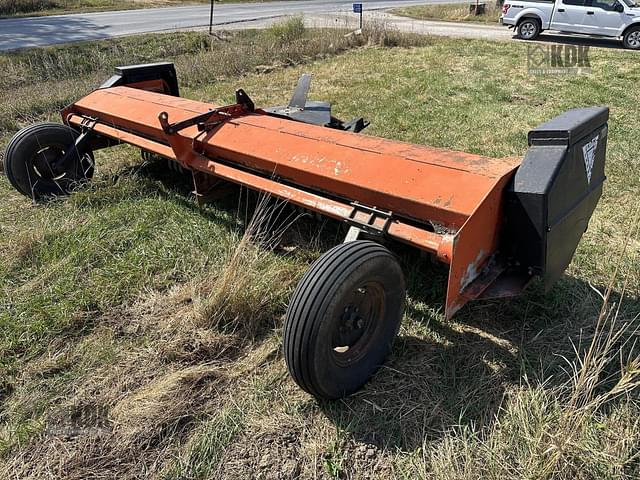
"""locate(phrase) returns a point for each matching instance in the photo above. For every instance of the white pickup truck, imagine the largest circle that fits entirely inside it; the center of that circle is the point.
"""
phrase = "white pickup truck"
(606, 18)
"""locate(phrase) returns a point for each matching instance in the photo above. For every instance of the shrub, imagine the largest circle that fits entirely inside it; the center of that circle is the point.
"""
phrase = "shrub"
(288, 31)
(12, 7)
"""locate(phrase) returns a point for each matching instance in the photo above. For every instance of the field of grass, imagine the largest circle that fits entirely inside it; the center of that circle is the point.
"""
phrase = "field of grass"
(450, 12)
(140, 335)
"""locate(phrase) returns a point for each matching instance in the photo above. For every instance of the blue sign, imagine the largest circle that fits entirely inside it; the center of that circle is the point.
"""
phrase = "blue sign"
(357, 8)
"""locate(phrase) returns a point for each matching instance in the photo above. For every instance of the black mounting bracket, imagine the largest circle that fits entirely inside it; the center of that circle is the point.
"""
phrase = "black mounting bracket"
(211, 119)
(373, 214)
(86, 128)
(314, 113)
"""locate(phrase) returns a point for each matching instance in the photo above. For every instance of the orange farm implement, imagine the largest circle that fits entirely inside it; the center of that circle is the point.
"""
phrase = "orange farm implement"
(497, 223)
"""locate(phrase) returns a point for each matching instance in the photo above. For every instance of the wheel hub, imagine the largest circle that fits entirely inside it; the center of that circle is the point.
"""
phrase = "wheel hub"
(362, 309)
(528, 30)
(351, 327)
(46, 164)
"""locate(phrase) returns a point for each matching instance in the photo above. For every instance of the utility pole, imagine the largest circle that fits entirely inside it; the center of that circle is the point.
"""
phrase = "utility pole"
(213, 5)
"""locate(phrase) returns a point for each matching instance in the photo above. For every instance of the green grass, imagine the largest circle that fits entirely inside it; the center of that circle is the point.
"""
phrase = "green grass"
(454, 12)
(140, 335)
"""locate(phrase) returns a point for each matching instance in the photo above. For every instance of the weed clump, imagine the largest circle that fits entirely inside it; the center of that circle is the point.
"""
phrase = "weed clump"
(13, 7)
(380, 34)
(287, 31)
(252, 288)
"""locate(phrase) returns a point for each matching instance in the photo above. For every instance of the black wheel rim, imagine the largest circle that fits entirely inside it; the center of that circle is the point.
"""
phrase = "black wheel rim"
(361, 313)
(46, 165)
(47, 168)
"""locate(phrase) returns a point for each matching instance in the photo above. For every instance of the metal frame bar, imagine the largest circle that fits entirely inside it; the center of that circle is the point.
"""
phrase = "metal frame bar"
(416, 236)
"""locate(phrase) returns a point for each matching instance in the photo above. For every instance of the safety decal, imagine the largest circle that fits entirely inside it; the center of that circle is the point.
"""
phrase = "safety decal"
(589, 154)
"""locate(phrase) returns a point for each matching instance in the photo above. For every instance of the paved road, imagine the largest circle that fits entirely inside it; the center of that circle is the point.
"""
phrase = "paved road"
(38, 31)
(425, 27)
(458, 30)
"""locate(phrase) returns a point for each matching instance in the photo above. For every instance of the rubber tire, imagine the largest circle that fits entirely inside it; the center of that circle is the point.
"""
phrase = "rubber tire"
(312, 314)
(625, 38)
(26, 143)
(529, 21)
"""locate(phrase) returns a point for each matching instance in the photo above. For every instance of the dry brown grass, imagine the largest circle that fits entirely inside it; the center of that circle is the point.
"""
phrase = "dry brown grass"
(164, 403)
(199, 342)
(245, 296)
(563, 431)
(124, 418)
(609, 369)
(455, 12)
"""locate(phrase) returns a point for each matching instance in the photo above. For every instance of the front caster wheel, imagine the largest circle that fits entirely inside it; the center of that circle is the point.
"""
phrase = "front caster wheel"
(343, 318)
(35, 162)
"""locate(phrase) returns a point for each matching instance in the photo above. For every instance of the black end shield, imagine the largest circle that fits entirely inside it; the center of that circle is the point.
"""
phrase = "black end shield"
(555, 191)
(132, 74)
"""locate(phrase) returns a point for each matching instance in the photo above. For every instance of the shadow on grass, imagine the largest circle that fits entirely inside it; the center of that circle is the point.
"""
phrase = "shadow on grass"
(443, 374)
(457, 373)
(240, 204)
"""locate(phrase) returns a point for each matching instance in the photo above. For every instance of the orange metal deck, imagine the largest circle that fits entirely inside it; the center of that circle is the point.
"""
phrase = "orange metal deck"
(457, 192)
(417, 182)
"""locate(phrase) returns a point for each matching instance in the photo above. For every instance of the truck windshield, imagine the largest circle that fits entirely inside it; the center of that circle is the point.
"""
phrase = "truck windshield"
(630, 3)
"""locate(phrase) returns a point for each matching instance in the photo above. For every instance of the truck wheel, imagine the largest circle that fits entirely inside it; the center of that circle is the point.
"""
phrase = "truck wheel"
(529, 29)
(631, 38)
(31, 161)
(343, 318)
